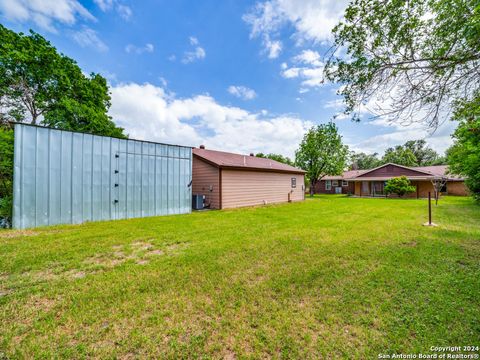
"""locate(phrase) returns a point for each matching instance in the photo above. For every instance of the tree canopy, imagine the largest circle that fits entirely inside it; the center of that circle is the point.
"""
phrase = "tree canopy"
(362, 161)
(399, 185)
(40, 86)
(321, 153)
(407, 60)
(412, 153)
(424, 154)
(399, 155)
(464, 155)
(277, 157)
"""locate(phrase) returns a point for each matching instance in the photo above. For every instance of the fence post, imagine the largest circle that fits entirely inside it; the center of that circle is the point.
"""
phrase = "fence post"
(429, 208)
(430, 223)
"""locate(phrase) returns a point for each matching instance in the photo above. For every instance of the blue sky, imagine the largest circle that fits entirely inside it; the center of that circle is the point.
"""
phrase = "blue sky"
(234, 75)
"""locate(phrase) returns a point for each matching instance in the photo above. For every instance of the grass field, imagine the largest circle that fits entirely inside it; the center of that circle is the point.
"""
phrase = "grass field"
(328, 277)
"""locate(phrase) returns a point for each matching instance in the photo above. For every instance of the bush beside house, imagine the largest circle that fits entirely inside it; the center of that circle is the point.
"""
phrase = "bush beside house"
(399, 185)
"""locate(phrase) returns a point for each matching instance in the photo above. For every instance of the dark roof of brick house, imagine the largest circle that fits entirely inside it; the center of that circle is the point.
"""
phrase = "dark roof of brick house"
(426, 172)
(223, 159)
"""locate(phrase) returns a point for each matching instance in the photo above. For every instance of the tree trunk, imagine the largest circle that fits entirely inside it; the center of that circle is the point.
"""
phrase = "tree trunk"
(312, 187)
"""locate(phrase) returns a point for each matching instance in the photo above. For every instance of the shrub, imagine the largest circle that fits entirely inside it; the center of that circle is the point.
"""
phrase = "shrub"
(399, 185)
(6, 176)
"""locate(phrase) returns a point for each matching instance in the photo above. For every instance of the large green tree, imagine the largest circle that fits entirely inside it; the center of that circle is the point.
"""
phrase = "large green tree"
(464, 155)
(276, 157)
(407, 60)
(399, 155)
(362, 161)
(321, 153)
(6, 175)
(40, 86)
(424, 154)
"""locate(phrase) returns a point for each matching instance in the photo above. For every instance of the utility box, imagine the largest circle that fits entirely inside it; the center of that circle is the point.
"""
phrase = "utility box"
(197, 201)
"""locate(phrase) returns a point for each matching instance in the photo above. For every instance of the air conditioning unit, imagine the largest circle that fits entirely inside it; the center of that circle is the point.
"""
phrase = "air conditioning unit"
(198, 201)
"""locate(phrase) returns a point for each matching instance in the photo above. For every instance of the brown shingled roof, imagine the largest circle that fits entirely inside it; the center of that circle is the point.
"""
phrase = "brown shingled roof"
(243, 162)
(434, 170)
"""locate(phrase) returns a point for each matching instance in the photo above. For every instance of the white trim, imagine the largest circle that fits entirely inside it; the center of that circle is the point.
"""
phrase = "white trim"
(328, 185)
(344, 182)
(334, 183)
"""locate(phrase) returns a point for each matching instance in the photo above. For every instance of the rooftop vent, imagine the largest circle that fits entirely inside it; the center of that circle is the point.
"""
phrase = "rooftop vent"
(202, 146)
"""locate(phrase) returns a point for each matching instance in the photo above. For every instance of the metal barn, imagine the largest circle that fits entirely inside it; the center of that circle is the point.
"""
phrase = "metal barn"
(63, 177)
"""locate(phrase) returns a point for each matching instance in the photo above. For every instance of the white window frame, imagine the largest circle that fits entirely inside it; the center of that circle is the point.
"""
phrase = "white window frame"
(293, 182)
(334, 183)
(344, 183)
(328, 184)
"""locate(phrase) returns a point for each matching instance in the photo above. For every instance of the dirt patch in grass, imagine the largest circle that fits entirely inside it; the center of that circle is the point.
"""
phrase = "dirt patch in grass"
(17, 233)
(410, 244)
(138, 252)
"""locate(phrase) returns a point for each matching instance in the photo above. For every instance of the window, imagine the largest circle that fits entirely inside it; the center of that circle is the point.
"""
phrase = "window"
(344, 183)
(335, 182)
(328, 185)
(294, 182)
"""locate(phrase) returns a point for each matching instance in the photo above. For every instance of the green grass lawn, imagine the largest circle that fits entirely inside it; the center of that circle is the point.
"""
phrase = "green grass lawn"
(328, 277)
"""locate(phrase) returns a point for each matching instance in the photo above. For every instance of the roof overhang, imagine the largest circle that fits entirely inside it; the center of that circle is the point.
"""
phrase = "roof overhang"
(413, 178)
(249, 168)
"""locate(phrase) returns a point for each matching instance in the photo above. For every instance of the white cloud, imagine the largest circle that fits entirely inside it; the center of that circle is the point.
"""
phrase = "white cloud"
(44, 13)
(148, 112)
(89, 38)
(313, 20)
(193, 40)
(242, 92)
(197, 53)
(440, 140)
(291, 73)
(309, 68)
(309, 57)
(104, 5)
(273, 47)
(122, 10)
(148, 48)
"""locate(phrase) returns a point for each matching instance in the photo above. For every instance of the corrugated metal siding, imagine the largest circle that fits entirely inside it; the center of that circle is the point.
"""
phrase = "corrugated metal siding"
(206, 176)
(247, 188)
(63, 177)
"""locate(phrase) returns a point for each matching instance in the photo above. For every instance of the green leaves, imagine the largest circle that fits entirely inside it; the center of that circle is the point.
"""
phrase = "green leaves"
(6, 175)
(321, 153)
(406, 60)
(277, 157)
(464, 155)
(41, 86)
(399, 185)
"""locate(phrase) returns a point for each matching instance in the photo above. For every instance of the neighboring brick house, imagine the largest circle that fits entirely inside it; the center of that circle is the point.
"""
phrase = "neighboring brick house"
(230, 180)
(372, 182)
(337, 184)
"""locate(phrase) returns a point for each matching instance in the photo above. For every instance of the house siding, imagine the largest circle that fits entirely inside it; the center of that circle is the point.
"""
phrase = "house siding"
(320, 188)
(206, 181)
(457, 188)
(422, 189)
(247, 188)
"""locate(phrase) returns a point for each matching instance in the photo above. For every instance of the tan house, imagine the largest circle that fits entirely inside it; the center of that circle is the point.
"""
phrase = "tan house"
(372, 182)
(230, 180)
